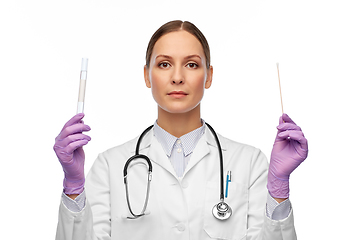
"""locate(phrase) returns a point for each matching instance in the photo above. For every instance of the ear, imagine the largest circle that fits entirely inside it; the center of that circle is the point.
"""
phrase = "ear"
(146, 77)
(209, 76)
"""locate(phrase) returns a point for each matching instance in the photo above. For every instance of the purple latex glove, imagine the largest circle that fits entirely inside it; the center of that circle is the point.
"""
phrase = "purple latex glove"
(289, 151)
(68, 148)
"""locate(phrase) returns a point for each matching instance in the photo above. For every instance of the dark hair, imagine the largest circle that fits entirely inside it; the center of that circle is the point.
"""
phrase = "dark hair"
(174, 26)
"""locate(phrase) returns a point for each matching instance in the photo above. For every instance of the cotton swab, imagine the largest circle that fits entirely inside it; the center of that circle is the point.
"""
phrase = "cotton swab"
(282, 108)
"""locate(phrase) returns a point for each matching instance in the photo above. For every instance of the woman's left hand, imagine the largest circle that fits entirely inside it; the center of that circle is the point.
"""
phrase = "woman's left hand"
(289, 151)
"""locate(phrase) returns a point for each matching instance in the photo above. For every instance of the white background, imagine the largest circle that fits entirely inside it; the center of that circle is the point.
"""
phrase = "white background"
(317, 44)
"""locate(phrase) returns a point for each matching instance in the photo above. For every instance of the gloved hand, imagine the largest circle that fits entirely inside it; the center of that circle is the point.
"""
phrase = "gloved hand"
(289, 151)
(68, 148)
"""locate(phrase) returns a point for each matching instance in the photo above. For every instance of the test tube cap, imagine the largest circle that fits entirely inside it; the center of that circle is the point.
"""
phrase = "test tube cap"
(84, 64)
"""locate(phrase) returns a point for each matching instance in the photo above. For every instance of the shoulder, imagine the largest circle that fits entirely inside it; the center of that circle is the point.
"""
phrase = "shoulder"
(122, 149)
(245, 151)
(127, 149)
(232, 145)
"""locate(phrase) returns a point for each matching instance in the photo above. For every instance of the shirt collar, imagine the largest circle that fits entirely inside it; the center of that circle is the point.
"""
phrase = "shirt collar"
(188, 140)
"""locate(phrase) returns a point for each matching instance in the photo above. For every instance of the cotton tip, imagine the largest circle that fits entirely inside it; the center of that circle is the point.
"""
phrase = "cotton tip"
(84, 64)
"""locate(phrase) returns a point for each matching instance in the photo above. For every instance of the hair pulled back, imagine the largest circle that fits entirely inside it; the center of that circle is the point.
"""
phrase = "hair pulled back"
(178, 25)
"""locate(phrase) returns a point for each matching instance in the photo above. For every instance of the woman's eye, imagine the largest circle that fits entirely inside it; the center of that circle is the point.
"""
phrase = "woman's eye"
(164, 65)
(192, 65)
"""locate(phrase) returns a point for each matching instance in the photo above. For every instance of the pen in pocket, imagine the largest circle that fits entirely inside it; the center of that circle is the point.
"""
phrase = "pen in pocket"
(228, 179)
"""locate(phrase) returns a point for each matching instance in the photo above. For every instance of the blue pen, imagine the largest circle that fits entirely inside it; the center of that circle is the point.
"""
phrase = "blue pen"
(228, 179)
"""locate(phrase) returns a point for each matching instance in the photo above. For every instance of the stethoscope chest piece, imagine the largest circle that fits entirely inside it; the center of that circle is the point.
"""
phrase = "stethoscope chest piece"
(222, 211)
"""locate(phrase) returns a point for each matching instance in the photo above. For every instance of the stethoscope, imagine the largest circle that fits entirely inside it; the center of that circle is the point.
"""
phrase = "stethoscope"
(221, 210)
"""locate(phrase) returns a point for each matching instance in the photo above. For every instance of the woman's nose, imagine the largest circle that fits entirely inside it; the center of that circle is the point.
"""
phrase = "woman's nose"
(178, 77)
(177, 81)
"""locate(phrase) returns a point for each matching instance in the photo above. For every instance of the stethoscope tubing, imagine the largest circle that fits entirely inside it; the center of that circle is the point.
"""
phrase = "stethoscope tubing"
(217, 210)
(137, 155)
(221, 162)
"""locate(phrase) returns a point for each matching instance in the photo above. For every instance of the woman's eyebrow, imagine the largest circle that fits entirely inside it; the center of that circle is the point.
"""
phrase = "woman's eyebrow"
(169, 57)
(191, 56)
(163, 55)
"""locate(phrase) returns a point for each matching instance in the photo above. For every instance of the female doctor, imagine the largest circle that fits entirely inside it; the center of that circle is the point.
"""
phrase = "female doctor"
(185, 164)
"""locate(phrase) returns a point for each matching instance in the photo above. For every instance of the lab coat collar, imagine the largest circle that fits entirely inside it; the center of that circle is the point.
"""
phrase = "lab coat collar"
(153, 149)
(210, 139)
(158, 156)
(203, 148)
(146, 141)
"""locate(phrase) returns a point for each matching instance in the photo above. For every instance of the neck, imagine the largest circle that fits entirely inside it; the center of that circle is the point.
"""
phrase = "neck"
(179, 124)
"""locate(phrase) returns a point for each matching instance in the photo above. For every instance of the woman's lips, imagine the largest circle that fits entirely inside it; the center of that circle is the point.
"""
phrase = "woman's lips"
(177, 94)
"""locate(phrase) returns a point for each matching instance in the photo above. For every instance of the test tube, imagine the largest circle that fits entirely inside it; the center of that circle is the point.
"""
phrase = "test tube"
(83, 76)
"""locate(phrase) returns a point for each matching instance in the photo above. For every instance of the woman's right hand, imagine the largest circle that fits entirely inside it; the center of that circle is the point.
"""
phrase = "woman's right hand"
(69, 150)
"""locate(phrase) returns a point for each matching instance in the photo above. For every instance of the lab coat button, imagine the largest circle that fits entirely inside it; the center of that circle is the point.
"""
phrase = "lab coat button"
(180, 227)
(184, 184)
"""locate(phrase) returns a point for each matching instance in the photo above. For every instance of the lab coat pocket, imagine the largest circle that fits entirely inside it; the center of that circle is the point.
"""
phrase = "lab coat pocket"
(146, 227)
(235, 227)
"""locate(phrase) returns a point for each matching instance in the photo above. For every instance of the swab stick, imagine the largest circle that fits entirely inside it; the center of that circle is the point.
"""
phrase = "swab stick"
(282, 108)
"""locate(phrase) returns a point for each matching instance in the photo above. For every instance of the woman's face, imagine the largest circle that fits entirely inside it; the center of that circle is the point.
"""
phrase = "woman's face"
(177, 74)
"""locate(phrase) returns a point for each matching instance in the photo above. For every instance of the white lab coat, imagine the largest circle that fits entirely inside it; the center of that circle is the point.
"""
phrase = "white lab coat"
(179, 209)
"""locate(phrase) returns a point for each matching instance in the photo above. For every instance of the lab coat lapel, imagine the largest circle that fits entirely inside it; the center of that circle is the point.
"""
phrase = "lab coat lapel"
(200, 151)
(156, 154)
(151, 147)
(203, 148)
